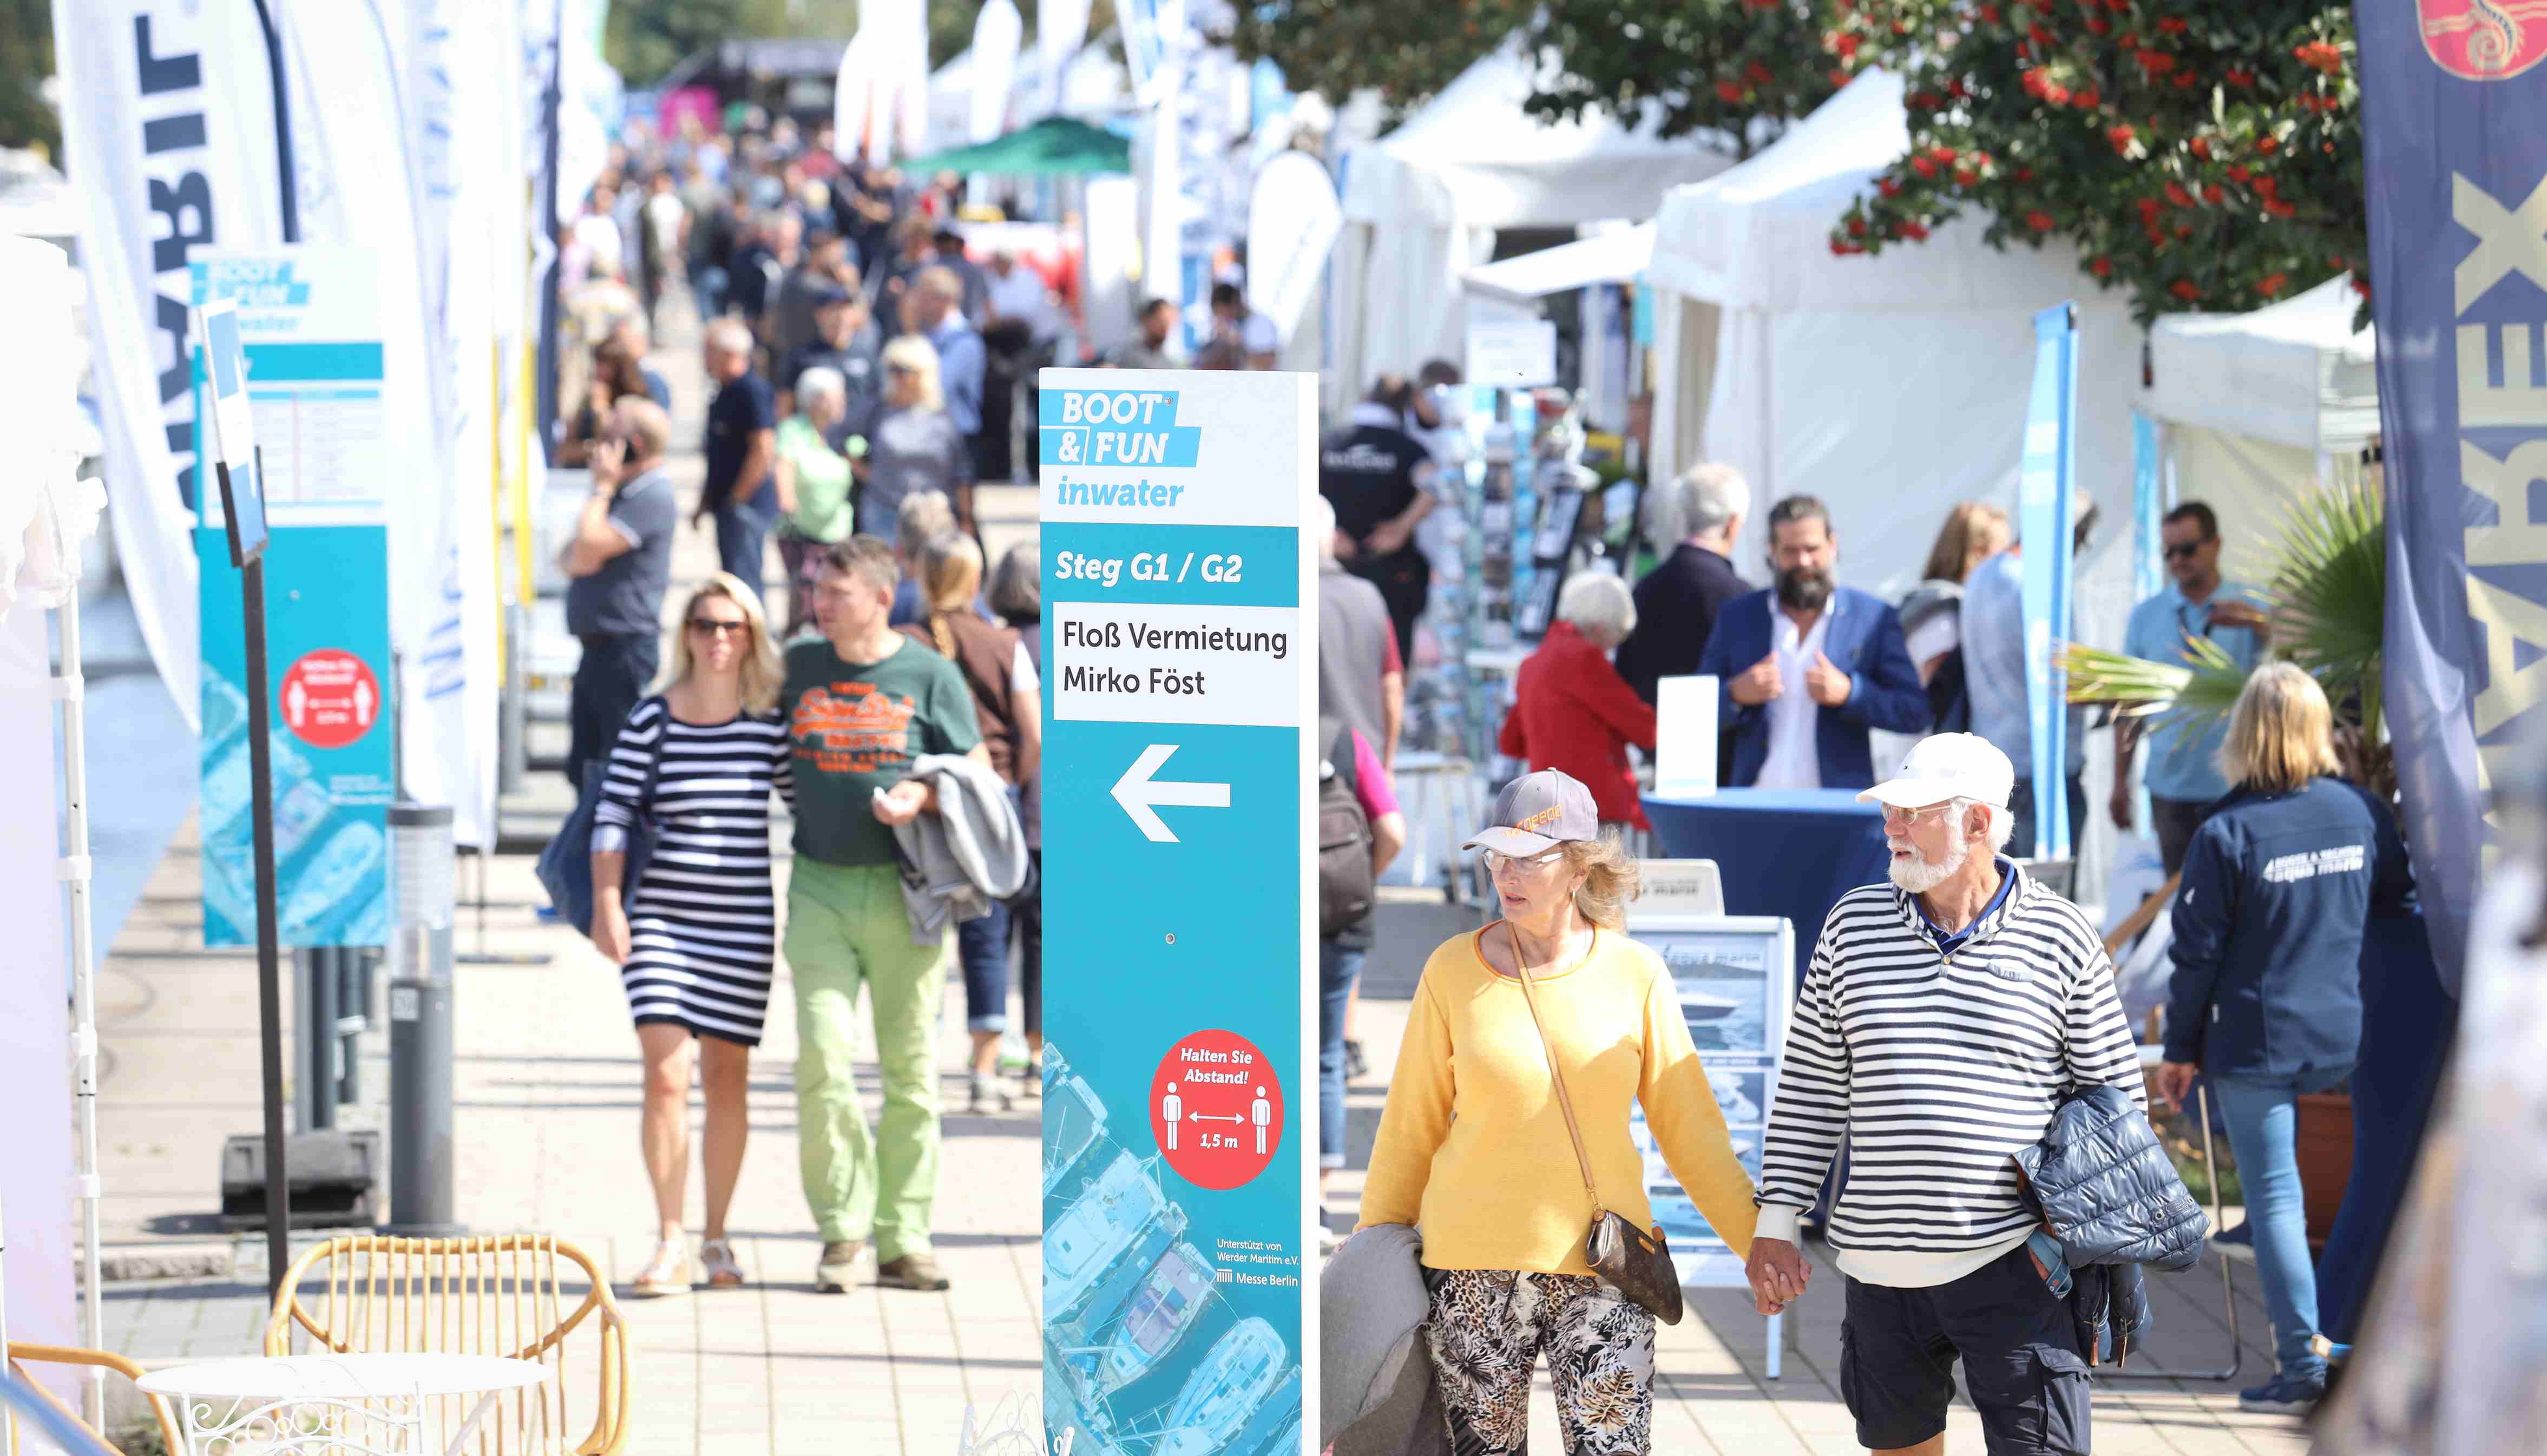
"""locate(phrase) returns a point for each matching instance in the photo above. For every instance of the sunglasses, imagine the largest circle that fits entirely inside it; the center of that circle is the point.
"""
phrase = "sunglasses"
(2184, 551)
(709, 626)
(903, 370)
(1496, 863)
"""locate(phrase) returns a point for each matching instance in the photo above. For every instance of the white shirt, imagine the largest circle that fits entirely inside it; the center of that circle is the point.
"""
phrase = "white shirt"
(1258, 335)
(1794, 759)
(1019, 295)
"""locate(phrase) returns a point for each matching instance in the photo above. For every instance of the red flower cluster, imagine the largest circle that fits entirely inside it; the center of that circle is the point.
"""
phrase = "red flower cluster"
(2240, 78)
(1731, 92)
(2173, 24)
(2184, 287)
(1759, 74)
(2272, 284)
(2155, 63)
(2320, 56)
(2101, 266)
(2038, 221)
(2121, 135)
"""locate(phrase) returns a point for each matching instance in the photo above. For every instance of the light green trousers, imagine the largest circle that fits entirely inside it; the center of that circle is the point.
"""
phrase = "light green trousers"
(846, 928)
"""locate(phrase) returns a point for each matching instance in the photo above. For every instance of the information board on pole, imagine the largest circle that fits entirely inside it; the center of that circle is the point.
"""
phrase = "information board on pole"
(1181, 652)
(1730, 974)
(306, 323)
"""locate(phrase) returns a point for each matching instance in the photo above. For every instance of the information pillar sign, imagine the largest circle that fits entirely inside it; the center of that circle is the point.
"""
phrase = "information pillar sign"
(1179, 908)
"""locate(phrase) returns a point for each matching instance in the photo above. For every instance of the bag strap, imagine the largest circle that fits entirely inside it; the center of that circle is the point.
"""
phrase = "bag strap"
(1564, 1101)
(655, 765)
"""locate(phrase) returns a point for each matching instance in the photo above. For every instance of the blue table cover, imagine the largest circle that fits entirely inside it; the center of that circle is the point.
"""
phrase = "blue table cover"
(1791, 852)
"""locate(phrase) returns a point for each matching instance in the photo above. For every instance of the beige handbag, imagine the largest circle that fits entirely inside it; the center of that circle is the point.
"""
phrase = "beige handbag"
(1636, 1260)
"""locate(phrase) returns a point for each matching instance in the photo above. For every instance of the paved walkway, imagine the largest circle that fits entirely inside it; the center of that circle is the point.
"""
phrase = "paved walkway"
(1712, 1394)
(546, 1127)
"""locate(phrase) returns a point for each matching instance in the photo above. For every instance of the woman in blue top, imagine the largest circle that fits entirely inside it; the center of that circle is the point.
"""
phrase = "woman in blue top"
(2280, 881)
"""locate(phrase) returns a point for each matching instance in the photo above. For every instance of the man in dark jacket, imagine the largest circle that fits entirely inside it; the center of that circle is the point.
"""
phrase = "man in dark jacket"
(1377, 478)
(1677, 601)
(2279, 883)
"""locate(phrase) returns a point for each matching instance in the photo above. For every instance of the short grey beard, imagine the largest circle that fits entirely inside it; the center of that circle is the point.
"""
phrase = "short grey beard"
(1918, 875)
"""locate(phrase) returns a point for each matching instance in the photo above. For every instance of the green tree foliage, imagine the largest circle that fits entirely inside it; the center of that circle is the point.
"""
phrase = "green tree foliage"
(2198, 157)
(1403, 50)
(26, 60)
(1732, 72)
(646, 38)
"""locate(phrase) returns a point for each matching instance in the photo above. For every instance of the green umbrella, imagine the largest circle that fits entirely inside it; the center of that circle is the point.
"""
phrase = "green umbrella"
(1054, 146)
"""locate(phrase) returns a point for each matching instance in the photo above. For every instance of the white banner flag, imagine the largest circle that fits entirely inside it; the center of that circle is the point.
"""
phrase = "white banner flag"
(1292, 220)
(168, 136)
(1060, 27)
(997, 33)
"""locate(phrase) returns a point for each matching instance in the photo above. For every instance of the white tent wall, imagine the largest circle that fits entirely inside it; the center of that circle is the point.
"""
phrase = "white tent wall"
(2251, 485)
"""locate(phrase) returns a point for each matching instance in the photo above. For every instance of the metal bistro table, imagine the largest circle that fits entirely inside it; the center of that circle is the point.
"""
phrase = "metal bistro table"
(374, 1404)
(1791, 852)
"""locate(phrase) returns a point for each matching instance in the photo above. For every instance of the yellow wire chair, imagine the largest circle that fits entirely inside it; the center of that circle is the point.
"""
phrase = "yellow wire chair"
(21, 1354)
(515, 1295)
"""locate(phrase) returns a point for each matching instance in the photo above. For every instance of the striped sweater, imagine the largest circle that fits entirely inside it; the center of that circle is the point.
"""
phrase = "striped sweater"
(1937, 1070)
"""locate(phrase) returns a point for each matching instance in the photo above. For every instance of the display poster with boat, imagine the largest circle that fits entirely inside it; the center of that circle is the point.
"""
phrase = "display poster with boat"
(1729, 974)
(1180, 935)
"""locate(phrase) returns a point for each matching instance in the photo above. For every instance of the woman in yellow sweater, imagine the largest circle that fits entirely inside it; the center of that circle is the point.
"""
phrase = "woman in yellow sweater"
(1473, 1149)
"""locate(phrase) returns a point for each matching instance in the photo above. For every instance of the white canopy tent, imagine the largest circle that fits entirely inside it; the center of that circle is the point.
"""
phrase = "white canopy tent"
(1423, 204)
(1890, 385)
(1616, 256)
(2257, 409)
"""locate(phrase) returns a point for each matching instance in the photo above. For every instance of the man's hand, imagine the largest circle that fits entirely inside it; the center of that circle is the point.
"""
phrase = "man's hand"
(2240, 614)
(699, 518)
(1778, 1274)
(1346, 546)
(604, 459)
(2174, 1080)
(1388, 538)
(901, 804)
(1829, 686)
(1758, 683)
(2120, 804)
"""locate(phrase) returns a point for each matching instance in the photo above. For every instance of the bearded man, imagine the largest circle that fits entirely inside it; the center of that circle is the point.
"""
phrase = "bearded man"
(1943, 1018)
(1807, 667)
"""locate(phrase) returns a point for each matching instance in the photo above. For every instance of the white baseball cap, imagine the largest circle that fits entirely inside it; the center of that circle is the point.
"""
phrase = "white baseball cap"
(1948, 766)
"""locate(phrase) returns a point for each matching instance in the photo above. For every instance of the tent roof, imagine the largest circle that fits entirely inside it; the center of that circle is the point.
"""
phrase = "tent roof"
(1472, 157)
(2296, 372)
(1759, 235)
(1604, 257)
(1053, 146)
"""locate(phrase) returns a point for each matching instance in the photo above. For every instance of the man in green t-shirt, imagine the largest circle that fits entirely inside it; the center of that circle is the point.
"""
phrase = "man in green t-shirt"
(860, 705)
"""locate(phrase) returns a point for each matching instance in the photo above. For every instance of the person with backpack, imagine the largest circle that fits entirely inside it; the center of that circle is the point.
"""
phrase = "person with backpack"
(1359, 831)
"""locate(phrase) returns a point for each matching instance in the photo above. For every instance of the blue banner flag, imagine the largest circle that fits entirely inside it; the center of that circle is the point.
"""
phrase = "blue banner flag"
(2455, 108)
(2045, 471)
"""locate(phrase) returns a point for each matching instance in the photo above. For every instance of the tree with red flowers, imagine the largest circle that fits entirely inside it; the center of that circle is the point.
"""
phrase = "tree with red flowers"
(2197, 157)
(1729, 73)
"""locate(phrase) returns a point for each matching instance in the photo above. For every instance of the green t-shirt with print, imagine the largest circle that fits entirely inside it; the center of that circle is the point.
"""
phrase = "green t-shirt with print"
(854, 728)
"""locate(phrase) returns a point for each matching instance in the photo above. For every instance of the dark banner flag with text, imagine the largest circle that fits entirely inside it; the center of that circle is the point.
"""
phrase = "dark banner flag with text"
(2454, 102)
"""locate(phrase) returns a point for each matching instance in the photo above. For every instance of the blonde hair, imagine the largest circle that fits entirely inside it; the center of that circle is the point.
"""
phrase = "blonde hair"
(2281, 734)
(1611, 879)
(950, 572)
(762, 674)
(917, 355)
(1968, 527)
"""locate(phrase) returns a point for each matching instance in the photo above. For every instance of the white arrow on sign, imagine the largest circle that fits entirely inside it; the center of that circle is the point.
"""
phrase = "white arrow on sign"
(1139, 794)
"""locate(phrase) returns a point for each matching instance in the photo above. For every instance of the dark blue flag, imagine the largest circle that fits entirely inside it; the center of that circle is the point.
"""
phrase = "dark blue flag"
(2455, 110)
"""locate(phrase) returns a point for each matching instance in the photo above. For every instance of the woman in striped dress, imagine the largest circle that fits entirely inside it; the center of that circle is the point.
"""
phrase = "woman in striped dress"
(696, 938)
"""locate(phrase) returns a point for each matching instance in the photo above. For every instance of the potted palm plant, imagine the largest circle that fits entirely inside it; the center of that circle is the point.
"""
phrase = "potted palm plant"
(2329, 592)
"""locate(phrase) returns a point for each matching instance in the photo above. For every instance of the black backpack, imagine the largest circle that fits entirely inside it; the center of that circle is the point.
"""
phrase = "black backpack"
(1346, 885)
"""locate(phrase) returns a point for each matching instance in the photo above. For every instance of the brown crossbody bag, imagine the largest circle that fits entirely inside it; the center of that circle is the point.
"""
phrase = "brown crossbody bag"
(1636, 1260)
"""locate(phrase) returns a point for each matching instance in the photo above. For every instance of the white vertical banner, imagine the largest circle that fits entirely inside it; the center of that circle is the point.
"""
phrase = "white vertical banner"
(910, 73)
(1292, 218)
(997, 33)
(1060, 27)
(359, 186)
(851, 90)
(453, 72)
(1159, 166)
(168, 138)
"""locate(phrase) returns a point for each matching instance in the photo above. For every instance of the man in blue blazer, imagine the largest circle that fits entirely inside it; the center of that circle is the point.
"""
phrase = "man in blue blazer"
(1807, 666)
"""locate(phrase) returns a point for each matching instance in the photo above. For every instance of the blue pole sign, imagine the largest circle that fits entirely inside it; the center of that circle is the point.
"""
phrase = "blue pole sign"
(1181, 652)
(2044, 474)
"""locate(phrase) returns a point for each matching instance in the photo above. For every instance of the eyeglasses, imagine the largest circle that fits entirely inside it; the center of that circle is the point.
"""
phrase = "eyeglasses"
(903, 370)
(1894, 814)
(1496, 864)
(2183, 551)
(709, 626)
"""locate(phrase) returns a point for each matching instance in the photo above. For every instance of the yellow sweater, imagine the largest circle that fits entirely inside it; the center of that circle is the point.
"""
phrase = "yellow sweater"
(1472, 1146)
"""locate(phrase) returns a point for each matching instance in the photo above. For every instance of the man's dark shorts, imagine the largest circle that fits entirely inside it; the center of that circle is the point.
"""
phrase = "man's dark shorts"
(2020, 1354)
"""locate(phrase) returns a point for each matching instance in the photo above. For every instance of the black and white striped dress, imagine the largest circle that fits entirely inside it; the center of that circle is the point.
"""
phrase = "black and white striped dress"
(702, 926)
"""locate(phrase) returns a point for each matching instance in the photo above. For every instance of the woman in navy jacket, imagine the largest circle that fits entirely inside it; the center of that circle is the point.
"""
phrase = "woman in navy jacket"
(2278, 886)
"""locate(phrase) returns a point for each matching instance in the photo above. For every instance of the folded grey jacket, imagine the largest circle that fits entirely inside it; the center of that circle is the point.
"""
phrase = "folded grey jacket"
(969, 853)
(1376, 1391)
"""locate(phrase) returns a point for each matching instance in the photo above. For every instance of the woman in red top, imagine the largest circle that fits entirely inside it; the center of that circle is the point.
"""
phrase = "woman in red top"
(1572, 711)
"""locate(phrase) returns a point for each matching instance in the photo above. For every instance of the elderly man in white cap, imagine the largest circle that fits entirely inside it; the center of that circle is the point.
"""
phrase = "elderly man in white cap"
(1941, 1020)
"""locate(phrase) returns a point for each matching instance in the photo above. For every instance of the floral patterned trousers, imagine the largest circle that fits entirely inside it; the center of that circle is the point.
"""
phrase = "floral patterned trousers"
(1487, 1329)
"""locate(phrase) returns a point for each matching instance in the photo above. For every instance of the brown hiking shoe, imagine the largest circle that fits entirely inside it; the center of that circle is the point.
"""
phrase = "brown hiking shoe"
(839, 1267)
(912, 1271)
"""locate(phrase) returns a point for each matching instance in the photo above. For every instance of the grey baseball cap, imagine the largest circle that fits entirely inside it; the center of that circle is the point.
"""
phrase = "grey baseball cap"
(1539, 811)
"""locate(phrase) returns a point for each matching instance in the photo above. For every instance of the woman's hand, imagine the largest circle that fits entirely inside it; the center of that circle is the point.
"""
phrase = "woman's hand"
(1778, 1274)
(610, 929)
